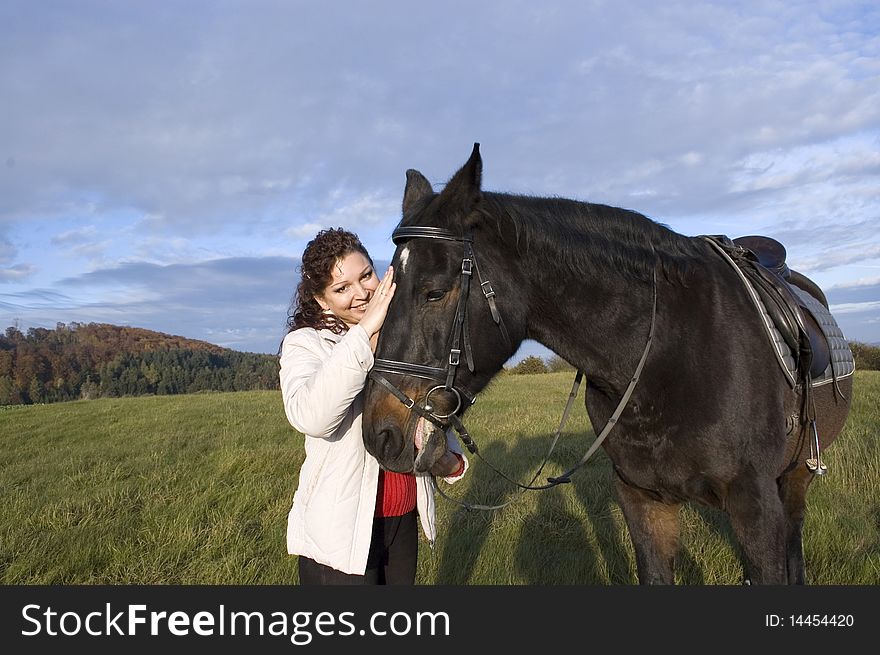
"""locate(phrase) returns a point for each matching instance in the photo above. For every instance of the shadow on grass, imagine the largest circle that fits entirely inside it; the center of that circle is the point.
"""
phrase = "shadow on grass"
(555, 546)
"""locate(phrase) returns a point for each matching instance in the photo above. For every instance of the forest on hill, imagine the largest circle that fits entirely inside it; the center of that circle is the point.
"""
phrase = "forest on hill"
(81, 361)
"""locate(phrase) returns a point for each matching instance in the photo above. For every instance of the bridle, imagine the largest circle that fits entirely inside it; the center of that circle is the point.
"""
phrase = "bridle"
(460, 338)
(459, 341)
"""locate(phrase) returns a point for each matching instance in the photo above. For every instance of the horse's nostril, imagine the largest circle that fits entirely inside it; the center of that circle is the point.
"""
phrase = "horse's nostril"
(392, 450)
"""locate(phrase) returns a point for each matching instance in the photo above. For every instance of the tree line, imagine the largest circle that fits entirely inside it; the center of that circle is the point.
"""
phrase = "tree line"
(92, 360)
(866, 356)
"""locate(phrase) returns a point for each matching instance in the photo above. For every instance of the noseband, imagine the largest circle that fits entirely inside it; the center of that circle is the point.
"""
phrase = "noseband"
(459, 339)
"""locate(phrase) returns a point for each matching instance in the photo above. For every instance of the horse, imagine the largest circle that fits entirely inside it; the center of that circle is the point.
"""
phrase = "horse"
(677, 361)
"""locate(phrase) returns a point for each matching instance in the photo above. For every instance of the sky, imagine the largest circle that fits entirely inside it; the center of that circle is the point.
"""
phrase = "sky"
(163, 164)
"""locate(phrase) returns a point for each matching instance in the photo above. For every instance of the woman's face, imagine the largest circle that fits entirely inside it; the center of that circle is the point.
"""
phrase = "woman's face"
(352, 286)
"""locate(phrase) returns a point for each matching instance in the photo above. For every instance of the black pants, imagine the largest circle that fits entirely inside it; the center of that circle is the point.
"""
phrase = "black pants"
(394, 549)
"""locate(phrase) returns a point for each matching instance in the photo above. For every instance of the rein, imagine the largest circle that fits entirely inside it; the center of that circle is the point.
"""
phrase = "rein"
(460, 338)
(609, 425)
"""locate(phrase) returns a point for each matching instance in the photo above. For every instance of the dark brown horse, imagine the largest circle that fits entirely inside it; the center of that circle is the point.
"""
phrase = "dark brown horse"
(713, 417)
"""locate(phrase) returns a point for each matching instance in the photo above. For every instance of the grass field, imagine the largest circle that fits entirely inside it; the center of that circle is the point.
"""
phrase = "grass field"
(195, 490)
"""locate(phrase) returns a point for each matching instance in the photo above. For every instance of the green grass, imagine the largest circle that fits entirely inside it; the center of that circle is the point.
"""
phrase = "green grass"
(195, 490)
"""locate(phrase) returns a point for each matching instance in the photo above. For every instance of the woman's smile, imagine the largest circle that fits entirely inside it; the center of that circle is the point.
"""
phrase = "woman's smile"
(351, 290)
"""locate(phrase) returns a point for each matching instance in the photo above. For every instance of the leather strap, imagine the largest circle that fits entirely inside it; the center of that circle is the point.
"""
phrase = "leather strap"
(416, 370)
(409, 402)
(414, 231)
(472, 447)
(489, 294)
(609, 425)
(565, 477)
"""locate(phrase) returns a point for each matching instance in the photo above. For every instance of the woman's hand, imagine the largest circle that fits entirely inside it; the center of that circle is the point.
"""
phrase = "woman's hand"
(448, 464)
(377, 309)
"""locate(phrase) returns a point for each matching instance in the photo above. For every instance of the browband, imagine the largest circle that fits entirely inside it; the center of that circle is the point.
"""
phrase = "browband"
(415, 231)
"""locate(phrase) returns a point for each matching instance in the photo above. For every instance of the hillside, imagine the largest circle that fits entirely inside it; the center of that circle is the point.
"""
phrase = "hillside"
(93, 360)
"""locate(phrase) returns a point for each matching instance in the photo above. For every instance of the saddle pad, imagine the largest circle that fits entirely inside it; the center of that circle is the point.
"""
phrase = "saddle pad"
(842, 363)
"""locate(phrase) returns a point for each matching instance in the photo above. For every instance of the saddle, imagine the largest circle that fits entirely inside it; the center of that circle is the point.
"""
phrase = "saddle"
(768, 252)
(762, 262)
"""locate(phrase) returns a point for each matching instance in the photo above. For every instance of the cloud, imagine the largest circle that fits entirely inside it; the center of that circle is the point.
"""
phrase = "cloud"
(226, 119)
(847, 157)
(75, 237)
(16, 273)
(220, 281)
(866, 292)
(177, 133)
(370, 208)
(7, 251)
(836, 257)
(237, 296)
(855, 307)
(306, 230)
(860, 283)
(238, 303)
(805, 233)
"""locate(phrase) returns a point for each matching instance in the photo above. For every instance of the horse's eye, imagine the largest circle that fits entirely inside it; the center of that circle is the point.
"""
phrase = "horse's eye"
(436, 294)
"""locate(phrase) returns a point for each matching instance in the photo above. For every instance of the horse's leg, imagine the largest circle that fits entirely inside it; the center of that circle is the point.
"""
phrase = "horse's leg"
(793, 487)
(758, 521)
(654, 528)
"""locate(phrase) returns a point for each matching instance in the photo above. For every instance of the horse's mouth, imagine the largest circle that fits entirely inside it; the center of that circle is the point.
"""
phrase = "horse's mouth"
(430, 444)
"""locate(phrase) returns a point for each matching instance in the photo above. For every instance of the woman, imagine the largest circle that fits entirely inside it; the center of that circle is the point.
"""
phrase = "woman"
(351, 523)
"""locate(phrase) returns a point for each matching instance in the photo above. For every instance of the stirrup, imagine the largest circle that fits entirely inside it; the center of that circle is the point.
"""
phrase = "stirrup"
(815, 463)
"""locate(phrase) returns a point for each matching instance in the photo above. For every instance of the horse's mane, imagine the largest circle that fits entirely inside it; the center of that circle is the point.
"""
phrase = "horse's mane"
(591, 239)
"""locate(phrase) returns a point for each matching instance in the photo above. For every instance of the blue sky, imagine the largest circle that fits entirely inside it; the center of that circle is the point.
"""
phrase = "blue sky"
(163, 164)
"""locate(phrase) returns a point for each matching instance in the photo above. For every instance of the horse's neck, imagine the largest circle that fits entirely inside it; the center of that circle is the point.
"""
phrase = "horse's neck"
(598, 323)
(585, 272)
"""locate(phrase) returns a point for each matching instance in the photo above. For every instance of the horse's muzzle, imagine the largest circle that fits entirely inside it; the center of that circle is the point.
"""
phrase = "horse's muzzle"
(430, 444)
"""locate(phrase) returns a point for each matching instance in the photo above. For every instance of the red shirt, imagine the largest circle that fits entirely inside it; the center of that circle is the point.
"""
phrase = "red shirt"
(396, 494)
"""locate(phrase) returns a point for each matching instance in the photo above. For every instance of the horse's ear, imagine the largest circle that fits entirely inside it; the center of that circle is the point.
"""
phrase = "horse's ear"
(417, 187)
(465, 184)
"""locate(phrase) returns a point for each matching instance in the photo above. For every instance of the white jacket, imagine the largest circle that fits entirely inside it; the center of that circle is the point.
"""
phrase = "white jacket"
(322, 380)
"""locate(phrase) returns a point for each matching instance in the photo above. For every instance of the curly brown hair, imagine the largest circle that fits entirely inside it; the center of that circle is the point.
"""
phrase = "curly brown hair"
(321, 253)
